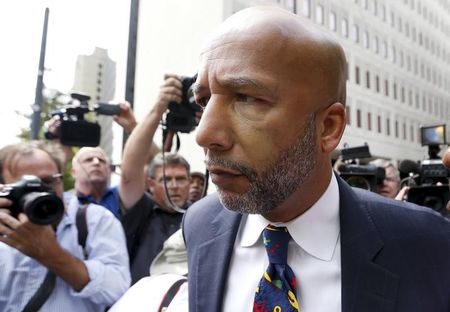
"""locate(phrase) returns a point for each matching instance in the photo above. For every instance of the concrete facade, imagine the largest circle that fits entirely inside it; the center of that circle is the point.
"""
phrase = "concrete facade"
(398, 55)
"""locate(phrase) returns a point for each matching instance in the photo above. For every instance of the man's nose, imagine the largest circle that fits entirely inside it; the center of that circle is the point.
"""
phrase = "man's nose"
(214, 129)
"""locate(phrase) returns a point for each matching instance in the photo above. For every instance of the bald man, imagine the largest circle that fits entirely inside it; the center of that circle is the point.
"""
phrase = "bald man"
(272, 88)
(92, 174)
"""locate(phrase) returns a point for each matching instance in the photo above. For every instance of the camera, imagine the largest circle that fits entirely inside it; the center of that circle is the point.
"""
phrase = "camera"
(37, 200)
(75, 130)
(367, 177)
(429, 181)
(181, 116)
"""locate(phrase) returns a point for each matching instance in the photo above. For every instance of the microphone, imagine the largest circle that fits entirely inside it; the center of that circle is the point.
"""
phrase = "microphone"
(406, 167)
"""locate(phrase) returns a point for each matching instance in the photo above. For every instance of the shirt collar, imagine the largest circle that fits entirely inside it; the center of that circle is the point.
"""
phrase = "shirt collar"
(316, 230)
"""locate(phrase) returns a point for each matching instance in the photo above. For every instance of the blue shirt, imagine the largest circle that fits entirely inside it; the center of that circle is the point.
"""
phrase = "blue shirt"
(107, 264)
(110, 200)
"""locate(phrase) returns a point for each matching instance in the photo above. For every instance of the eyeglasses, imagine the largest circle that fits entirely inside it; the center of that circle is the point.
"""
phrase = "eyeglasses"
(52, 180)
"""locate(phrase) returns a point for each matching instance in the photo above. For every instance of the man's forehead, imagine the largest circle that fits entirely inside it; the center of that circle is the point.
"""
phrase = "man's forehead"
(180, 169)
(92, 153)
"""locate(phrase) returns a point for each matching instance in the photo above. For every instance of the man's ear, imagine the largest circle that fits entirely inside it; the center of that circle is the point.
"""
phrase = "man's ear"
(150, 184)
(331, 125)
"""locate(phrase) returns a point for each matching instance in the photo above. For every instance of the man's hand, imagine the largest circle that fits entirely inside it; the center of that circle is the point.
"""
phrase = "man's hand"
(126, 118)
(170, 91)
(35, 241)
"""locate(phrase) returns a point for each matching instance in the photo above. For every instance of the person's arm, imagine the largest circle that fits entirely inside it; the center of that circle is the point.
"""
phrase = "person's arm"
(39, 242)
(140, 148)
(125, 118)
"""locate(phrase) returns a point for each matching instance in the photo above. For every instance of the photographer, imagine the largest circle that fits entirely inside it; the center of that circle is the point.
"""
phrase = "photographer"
(90, 165)
(44, 265)
(149, 221)
(390, 185)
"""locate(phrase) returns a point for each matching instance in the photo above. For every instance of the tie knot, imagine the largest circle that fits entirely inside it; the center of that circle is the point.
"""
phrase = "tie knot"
(276, 240)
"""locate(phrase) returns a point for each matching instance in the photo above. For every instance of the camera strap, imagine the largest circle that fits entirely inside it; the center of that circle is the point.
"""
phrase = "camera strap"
(42, 294)
(82, 227)
(170, 294)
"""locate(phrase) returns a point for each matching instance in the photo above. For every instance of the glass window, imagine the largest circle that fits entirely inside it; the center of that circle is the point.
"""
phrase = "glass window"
(379, 124)
(355, 33)
(306, 8)
(384, 49)
(376, 47)
(344, 27)
(377, 83)
(358, 118)
(367, 79)
(388, 126)
(366, 39)
(369, 121)
(332, 21)
(348, 112)
(357, 80)
(319, 14)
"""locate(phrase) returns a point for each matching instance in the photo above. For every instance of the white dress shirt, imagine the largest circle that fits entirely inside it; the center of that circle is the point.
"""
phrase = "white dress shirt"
(314, 255)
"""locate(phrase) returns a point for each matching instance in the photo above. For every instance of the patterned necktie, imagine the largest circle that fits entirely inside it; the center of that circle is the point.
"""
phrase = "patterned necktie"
(278, 287)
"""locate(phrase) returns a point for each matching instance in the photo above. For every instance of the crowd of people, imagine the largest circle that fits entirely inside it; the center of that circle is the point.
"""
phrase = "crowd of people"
(272, 90)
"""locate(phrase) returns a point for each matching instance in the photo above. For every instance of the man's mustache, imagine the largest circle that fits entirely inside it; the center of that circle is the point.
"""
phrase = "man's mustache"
(216, 161)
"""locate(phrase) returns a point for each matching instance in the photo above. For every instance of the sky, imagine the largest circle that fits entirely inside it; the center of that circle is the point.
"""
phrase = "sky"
(75, 27)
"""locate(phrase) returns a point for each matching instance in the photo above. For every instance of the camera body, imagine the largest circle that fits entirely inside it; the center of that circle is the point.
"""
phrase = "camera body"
(367, 177)
(74, 130)
(430, 187)
(37, 200)
(181, 116)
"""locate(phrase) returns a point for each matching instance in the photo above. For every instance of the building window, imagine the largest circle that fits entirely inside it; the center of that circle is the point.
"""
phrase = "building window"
(383, 12)
(393, 54)
(404, 131)
(377, 83)
(376, 47)
(347, 113)
(344, 27)
(355, 33)
(396, 129)
(394, 90)
(357, 80)
(306, 8)
(367, 79)
(402, 94)
(319, 14)
(369, 121)
(366, 39)
(386, 87)
(384, 49)
(358, 118)
(411, 132)
(332, 21)
(379, 124)
(388, 127)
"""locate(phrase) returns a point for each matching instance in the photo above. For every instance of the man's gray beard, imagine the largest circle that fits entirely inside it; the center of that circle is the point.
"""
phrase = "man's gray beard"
(276, 183)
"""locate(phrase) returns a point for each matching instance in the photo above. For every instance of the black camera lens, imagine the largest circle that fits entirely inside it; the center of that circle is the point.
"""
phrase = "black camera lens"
(42, 208)
(359, 182)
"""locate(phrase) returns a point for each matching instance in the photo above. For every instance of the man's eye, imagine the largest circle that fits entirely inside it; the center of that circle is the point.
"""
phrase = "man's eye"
(244, 98)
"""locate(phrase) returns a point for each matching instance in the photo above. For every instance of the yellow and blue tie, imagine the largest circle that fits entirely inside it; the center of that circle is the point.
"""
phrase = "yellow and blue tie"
(277, 289)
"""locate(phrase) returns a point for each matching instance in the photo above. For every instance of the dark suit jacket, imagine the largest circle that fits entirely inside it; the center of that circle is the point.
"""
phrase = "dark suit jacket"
(395, 256)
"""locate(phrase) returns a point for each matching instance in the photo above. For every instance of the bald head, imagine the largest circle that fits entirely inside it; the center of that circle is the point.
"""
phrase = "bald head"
(306, 54)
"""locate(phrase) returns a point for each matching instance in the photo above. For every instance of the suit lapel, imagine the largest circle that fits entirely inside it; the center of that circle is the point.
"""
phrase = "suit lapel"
(213, 261)
(366, 286)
